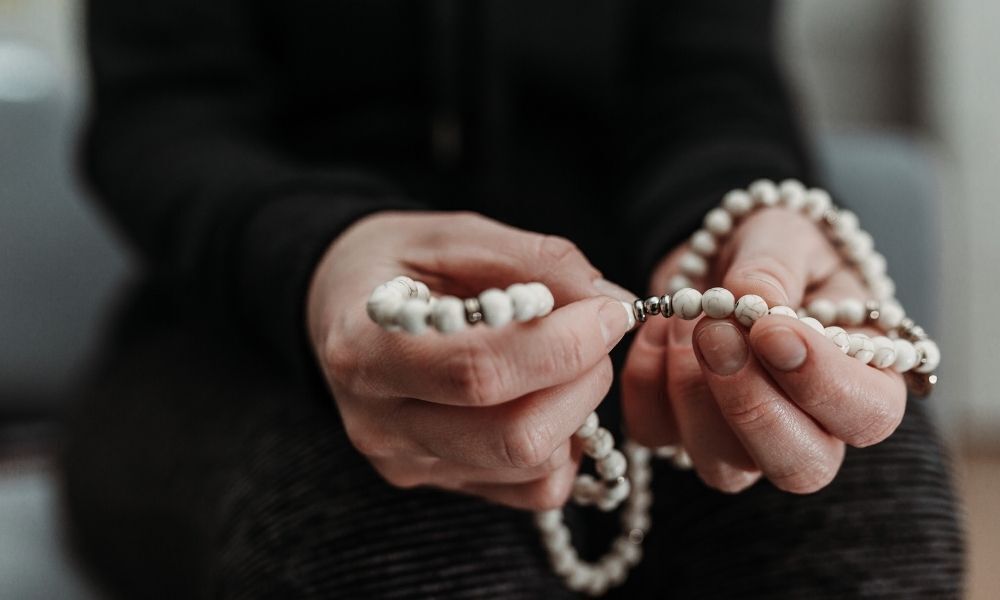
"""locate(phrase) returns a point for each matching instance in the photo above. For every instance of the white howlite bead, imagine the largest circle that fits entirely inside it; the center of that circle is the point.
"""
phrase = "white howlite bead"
(823, 310)
(544, 297)
(718, 222)
(890, 315)
(496, 306)
(851, 312)
(703, 243)
(525, 303)
(557, 538)
(615, 568)
(412, 316)
(640, 478)
(749, 308)
(678, 282)
(585, 490)
(598, 583)
(812, 323)
(613, 465)
(423, 292)
(642, 499)
(838, 336)
(630, 553)
(693, 265)
(764, 192)
(564, 560)
(883, 288)
(845, 225)
(885, 352)
(547, 520)
(687, 303)
(861, 348)
(411, 285)
(931, 356)
(620, 491)
(384, 304)
(579, 577)
(737, 203)
(718, 303)
(636, 519)
(599, 445)
(783, 310)
(401, 287)
(792, 194)
(817, 203)
(589, 426)
(859, 245)
(606, 503)
(448, 314)
(906, 356)
(874, 265)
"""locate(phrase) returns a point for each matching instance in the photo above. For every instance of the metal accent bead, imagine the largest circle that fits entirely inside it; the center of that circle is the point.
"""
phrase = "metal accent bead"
(473, 311)
(640, 310)
(666, 306)
(652, 305)
(872, 308)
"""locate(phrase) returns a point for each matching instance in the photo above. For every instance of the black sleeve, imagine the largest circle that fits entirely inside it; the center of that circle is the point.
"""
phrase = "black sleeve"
(706, 111)
(180, 151)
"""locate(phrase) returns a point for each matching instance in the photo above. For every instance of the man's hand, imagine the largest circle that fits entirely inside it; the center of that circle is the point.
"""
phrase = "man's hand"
(486, 411)
(780, 401)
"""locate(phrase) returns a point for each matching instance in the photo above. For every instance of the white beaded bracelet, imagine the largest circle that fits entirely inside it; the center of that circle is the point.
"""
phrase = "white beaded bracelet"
(624, 476)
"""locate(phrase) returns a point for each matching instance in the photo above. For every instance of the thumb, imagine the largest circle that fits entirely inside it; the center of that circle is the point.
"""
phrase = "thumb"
(776, 254)
(486, 253)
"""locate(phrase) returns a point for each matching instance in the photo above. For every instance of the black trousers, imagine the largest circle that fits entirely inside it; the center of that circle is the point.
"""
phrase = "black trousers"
(194, 469)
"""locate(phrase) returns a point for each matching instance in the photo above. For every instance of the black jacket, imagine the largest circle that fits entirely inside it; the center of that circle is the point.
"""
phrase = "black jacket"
(232, 140)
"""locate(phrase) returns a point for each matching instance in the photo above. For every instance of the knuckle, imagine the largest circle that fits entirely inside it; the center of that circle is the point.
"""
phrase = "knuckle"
(475, 374)
(555, 249)
(549, 493)
(749, 413)
(526, 444)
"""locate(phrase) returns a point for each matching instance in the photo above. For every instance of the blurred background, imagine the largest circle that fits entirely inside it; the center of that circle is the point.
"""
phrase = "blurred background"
(902, 97)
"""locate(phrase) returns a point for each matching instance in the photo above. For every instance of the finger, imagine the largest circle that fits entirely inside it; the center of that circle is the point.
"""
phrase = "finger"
(718, 455)
(792, 450)
(522, 433)
(476, 253)
(776, 255)
(411, 470)
(549, 492)
(858, 404)
(648, 417)
(487, 366)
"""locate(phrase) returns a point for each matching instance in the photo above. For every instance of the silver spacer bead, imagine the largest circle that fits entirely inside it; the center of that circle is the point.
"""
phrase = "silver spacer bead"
(652, 305)
(666, 306)
(640, 310)
(872, 308)
(473, 311)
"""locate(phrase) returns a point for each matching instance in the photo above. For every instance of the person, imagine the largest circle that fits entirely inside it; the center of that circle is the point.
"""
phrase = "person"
(251, 433)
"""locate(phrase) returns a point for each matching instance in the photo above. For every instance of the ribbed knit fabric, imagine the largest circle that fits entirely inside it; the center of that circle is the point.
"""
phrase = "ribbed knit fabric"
(194, 470)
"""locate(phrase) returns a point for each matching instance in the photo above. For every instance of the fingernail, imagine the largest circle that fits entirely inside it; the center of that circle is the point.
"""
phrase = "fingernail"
(614, 290)
(723, 348)
(616, 319)
(781, 348)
